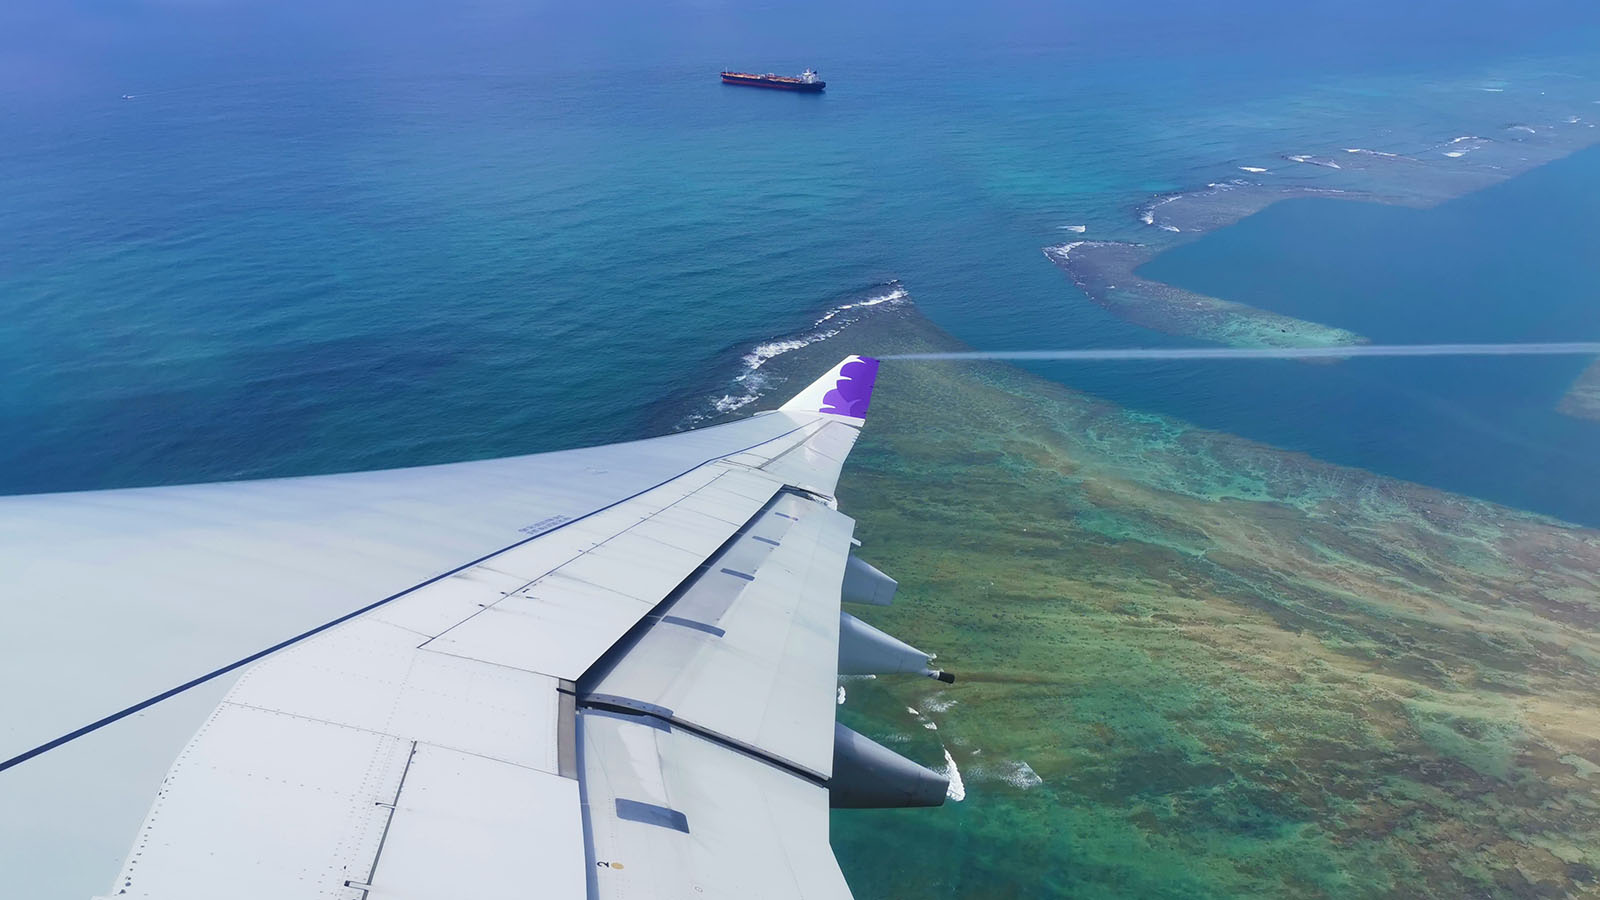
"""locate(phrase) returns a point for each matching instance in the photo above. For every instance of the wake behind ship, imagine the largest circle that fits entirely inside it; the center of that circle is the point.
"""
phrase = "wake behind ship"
(806, 82)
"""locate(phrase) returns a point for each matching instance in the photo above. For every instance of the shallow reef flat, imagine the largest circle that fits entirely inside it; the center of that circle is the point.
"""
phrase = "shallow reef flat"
(1582, 400)
(1420, 178)
(1105, 271)
(1195, 666)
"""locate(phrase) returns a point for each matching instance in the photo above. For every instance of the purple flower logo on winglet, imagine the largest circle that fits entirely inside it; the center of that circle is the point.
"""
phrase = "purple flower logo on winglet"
(852, 393)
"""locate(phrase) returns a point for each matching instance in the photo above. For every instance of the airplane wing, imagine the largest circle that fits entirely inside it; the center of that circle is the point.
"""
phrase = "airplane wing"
(606, 672)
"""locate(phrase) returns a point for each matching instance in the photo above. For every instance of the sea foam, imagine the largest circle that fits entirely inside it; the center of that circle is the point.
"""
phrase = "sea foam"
(1379, 153)
(1455, 148)
(1021, 775)
(1310, 160)
(1148, 214)
(957, 790)
(750, 384)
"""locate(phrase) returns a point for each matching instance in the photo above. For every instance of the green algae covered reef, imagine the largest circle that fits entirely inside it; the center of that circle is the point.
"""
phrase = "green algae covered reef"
(1195, 666)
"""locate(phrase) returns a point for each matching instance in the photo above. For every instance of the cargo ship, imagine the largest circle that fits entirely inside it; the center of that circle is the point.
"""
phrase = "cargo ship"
(806, 82)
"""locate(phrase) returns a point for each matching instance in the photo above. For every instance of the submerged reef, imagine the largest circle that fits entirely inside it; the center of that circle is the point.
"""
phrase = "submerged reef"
(1105, 270)
(1195, 666)
(1420, 177)
(1582, 400)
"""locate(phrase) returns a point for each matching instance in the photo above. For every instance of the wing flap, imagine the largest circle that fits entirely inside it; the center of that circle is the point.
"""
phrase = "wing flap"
(748, 651)
(465, 826)
(675, 815)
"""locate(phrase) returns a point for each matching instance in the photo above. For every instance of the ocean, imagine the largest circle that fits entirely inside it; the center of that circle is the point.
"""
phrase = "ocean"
(243, 240)
(1483, 428)
(317, 238)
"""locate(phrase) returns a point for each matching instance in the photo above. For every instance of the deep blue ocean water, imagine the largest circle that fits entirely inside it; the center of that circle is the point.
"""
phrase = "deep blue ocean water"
(331, 236)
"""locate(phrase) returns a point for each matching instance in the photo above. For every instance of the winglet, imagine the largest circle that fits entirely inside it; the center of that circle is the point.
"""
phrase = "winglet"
(844, 391)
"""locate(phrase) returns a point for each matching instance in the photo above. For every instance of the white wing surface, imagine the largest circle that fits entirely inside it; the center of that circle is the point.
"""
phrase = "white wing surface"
(600, 672)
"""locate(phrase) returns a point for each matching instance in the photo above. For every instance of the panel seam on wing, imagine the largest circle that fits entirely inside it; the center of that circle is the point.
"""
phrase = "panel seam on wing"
(380, 733)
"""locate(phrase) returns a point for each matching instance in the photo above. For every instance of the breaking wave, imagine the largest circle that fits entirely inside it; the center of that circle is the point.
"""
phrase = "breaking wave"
(1455, 148)
(1379, 153)
(957, 791)
(1063, 252)
(1016, 773)
(751, 383)
(1214, 205)
(1148, 214)
(1310, 160)
(1020, 775)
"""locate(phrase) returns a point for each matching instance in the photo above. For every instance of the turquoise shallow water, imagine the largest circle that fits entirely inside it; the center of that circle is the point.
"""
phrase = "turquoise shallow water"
(320, 238)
